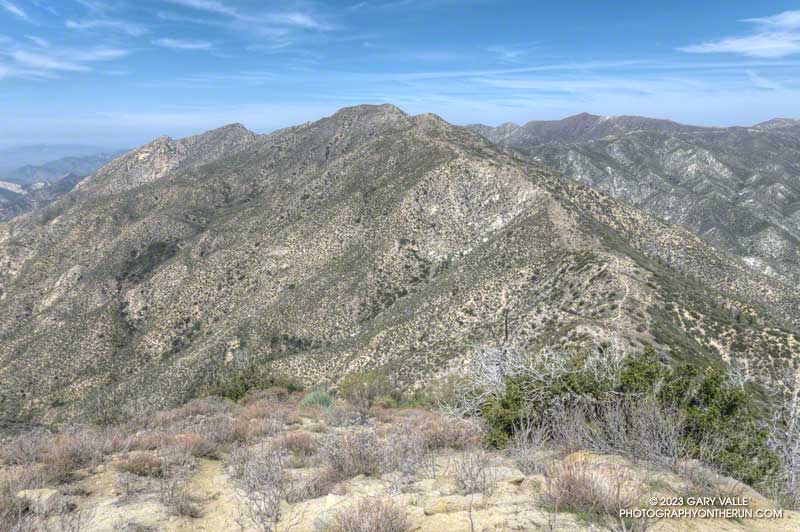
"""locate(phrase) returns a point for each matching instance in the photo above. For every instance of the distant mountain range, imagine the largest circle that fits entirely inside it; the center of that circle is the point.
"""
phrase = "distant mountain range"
(29, 187)
(368, 239)
(15, 157)
(738, 188)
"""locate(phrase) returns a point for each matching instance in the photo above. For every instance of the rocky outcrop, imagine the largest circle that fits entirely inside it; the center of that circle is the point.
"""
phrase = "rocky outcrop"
(369, 239)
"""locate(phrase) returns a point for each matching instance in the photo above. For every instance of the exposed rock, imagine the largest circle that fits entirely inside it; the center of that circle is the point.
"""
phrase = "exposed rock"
(42, 500)
(369, 239)
(737, 188)
(454, 503)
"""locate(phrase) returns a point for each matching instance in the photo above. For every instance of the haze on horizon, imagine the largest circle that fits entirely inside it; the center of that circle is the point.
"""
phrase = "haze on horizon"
(118, 73)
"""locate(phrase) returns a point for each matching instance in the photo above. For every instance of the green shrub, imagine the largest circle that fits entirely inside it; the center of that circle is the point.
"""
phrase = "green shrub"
(386, 401)
(235, 382)
(721, 422)
(362, 389)
(318, 399)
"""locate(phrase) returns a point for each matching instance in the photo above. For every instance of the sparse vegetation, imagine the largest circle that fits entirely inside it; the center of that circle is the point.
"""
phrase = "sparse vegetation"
(362, 389)
(318, 399)
(633, 404)
(371, 515)
(352, 453)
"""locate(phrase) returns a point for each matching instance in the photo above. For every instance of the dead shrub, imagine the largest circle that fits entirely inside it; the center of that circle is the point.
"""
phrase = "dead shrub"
(371, 515)
(151, 440)
(198, 445)
(142, 464)
(220, 431)
(472, 472)
(353, 453)
(116, 440)
(262, 487)
(66, 453)
(177, 468)
(320, 482)
(127, 485)
(13, 510)
(599, 491)
(177, 417)
(236, 460)
(300, 443)
(23, 448)
(530, 449)
(440, 431)
(342, 416)
(404, 452)
(261, 419)
(256, 410)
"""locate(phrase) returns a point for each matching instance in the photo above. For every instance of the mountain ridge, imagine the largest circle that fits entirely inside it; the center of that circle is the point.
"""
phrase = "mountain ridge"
(368, 239)
(735, 187)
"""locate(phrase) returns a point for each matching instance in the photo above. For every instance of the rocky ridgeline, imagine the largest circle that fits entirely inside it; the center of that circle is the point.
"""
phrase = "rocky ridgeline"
(370, 239)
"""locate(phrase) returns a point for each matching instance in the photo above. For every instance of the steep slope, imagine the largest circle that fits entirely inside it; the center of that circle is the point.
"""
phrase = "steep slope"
(18, 199)
(368, 239)
(738, 188)
(578, 128)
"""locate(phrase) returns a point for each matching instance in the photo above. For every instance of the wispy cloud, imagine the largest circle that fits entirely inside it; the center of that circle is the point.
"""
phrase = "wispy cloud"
(760, 82)
(102, 24)
(179, 44)
(774, 36)
(42, 43)
(296, 19)
(15, 10)
(44, 61)
(515, 53)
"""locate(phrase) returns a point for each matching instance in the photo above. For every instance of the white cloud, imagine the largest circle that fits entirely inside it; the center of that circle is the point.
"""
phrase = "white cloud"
(294, 19)
(45, 61)
(130, 28)
(787, 20)
(775, 36)
(761, 82)
(42, 43)
(14, 10)
(179, 44)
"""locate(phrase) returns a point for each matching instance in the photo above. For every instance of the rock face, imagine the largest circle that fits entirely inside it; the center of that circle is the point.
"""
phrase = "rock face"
(369, 239)
(738, 188)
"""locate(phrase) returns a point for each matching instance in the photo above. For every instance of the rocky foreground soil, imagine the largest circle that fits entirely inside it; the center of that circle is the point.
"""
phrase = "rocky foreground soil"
(274, 463)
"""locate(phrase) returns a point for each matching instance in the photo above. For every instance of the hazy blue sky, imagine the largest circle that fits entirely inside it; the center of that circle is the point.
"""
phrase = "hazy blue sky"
(120, 72)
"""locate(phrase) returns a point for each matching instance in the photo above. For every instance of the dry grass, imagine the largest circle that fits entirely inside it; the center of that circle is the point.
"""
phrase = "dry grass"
(319, 483)
(440, 431)
(271, 395)
(24, 448)
(142, 464)
(371, 515)
(66, 453)
(595, 491)
(12, 480)
(472, 472)
(196, 408)
(300, 443)
(152, 440)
